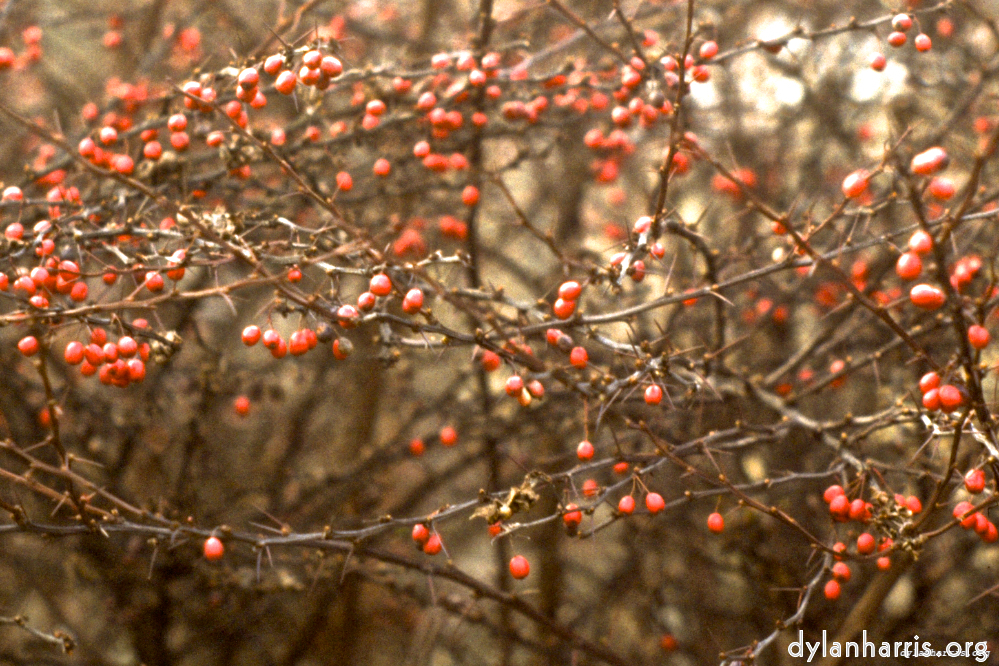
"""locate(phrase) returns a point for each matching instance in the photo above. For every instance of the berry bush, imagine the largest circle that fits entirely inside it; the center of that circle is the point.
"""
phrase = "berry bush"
(496, 332)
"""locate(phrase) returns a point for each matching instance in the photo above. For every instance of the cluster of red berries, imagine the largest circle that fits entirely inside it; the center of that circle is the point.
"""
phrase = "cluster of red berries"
(447, 436)
(524, 393)
(897, 38)
(974, 483)
(654, 502)
(842, 509)
(946, 398)
(568, 294)
(41, 283)
(116, 364)
(348, 317)
(431, 544)
(866, 545)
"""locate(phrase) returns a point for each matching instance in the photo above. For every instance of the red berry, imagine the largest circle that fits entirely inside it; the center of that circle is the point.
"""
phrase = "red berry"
(942, 188)
(248, 78)
(921, 242)
(859, 511)
(519, 567)
(564, 309)
(348, 316)
(490, 360)
(578, 357)
(433, 545)
(913, 504)
(272, 65)
(716, 522)
(931, 400)
(25, 284)
(74, 353)
(591, 488)
(901, 22)
(251, 335)
(136, 370)
(865, 544)
(78, 292)
(839, 507)
(929, 161)
(448, 436)
(832, 590)
(285, 83)
(271, 338)
(930, 380)
(653, 394)
(152, 150)
(856, 183)
(570, 291)
(108, 135)
(922, 42)
(626, 505)
(311, 59)
(572, 516)
(981, 524)
(841, 571)
(897, 39)
(154, 281)
(708, 50)
(344, 181)
(927, 297)
(470, 195)
(177, 122)
(214, 550)
(382, 167)
(831, 493)
(974, 481)
(294, 274)
(585, 450)
(380, 285)
(366, 301)
(963, 508)
(877, 62)
(242, 405)
(420, 533)
(413, 301)
(94, 354)
(950, 397)
(978, 336)
(215, 138)
(655, 503)
(298, 343)
(127, 346)
(991, 533)
(909, 266)
(330, 66)
(514, 386)
(642, 224)
(29, 345)
(416, 445)
(122, 164)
